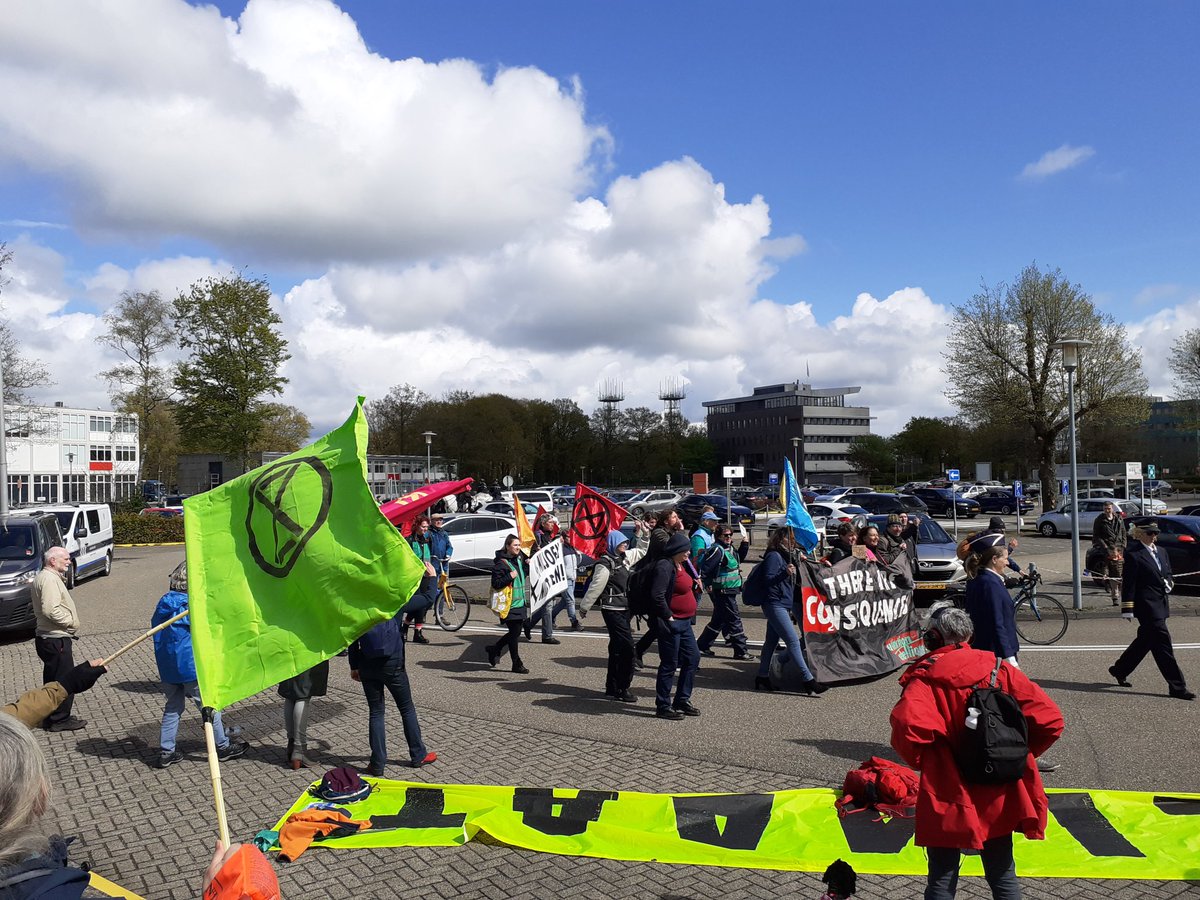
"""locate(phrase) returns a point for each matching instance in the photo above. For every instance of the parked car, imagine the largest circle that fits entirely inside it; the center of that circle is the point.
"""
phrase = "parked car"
(909, 486)
(839, 493)
(1193, 510)
(505, 508)
(538, 498)
(970, 491)
(621, 497)
(24, 539)
(174, 501)
(87, 530)
(1003, 502)
(1058, 521)
(651, 501)
(938, 567)
(690, 507)
(476, 538)
(1180, 537)
(1156, 487)
(752, 499)
(938, 501)
(882, 503)
(826, 516)
(563, 496)
(161, 512)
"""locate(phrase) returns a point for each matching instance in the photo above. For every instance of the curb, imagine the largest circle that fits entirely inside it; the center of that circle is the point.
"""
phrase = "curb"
(167, 544)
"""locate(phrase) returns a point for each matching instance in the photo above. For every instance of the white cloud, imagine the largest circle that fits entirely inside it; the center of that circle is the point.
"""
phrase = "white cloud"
(1055, 161)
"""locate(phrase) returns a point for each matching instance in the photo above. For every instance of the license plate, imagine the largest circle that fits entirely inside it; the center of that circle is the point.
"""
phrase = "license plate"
(931, 585)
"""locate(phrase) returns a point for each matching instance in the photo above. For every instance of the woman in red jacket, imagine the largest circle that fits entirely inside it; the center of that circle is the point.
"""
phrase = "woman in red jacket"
(928, 723)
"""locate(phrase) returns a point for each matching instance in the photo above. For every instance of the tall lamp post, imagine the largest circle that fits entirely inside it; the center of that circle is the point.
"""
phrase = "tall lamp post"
(1070, 348)
(3, 452)
(429, 436)
(796, 456)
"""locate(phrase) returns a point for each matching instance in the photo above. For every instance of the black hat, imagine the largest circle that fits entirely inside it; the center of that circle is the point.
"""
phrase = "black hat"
(1150, 525)
(676, 543)
(996, 524)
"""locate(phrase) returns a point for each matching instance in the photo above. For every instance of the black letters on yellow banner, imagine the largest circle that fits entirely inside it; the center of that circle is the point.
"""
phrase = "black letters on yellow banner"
(536, 806)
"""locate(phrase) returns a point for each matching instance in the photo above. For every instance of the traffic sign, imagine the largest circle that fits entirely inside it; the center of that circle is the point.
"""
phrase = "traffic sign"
(1018, 490)
(1064, 487)
(733, 472)
(1151, 472)
(1133, 470)
(773, 478)
(952, 475)
(507, 481)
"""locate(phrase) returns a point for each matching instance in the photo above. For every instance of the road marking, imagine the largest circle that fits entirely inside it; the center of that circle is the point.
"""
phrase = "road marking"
(1084, 648)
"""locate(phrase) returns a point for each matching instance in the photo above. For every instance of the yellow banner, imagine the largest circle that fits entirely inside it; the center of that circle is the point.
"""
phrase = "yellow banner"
(1091, 834)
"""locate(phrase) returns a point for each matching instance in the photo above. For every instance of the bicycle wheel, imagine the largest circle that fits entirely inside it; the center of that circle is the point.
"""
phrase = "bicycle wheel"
(1043, 621)
(453, 615)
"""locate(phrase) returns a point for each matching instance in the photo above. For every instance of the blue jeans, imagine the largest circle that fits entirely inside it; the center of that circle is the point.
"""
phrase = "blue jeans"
(388, 672)
(779, 625)
(555, 605)
(676, 650)
(998, 869)
(421, 601)
(177, 696)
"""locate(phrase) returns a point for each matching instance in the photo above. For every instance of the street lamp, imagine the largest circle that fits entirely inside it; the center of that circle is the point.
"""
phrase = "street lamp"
(1070, 348)
(796, 456)
(429, 436)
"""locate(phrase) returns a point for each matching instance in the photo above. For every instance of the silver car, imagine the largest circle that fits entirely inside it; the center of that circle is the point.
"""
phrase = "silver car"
(651, 501)
(1058, 521)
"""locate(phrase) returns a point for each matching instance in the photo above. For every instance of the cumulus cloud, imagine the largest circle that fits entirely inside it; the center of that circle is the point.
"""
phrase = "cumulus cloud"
(281, 134)
(1055, 161)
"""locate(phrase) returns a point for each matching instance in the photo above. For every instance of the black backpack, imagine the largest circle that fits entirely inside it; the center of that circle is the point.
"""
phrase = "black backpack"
(996, 749)
(637, 590)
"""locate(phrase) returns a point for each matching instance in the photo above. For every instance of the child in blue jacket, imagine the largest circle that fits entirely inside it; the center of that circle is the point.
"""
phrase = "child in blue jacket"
(177, 669)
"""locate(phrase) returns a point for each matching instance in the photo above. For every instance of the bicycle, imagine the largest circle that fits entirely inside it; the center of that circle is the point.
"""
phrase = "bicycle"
(1040, 618)
(452, 607)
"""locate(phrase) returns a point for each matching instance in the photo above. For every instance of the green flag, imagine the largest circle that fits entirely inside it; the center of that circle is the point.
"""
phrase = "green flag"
(288, 564)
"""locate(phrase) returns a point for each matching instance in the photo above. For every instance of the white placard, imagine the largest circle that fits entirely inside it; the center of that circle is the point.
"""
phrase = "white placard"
(547, 574)
(733, 472)
(1133, 470)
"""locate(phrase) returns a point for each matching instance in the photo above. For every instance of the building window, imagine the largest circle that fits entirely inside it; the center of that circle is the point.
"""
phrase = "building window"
(74, 427)
(18, 489)
(74, 488)
(100, 488)
(722, 409)
(123, 486)
(45, 488)
(126, 425)
(100, 424)
(126, 454)
(100, 454)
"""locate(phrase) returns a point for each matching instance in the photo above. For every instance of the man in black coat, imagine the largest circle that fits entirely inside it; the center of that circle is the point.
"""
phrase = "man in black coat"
(1144, 590)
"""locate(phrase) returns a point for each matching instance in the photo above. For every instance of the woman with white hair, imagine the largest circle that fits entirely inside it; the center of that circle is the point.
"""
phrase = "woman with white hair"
(32, 862)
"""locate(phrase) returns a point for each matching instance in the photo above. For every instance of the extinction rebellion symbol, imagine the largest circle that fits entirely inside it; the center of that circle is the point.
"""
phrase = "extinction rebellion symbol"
(590, 521)
(289, 502)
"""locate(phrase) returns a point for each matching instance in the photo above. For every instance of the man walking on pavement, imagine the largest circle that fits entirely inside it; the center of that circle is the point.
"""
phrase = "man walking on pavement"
(1108, 534)
(57, 626)
(1144, 589)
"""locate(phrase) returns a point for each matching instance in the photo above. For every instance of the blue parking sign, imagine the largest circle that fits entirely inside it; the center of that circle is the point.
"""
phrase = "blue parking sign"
(1065, 487)
(952, 474)
(1151, 472)
(1018, 490)
(773, 478)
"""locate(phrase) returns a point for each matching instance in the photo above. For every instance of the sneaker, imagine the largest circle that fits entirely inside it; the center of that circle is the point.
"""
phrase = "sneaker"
(551, 640)
(419, 636)
(520, 670)
(743, 657)
(577, 626)
(166, 760)
(375, 771)
(430, 757)
(71, 723)
(232, 750)
(687, 709)
(665, 712)
(1044, 766)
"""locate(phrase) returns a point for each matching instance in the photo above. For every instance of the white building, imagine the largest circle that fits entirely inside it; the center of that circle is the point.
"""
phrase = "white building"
(59, 454)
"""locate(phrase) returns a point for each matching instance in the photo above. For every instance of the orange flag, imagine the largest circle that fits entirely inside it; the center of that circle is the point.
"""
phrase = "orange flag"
(524, 532)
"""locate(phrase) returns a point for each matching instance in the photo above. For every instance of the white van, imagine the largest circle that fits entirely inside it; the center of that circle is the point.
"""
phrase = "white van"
(543, 499)
(88, 536)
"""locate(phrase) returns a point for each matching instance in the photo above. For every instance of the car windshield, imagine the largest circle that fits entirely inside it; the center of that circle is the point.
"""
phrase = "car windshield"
(16, 542)
(928, 532)
(64, 521)
(851, 511)
(637, 497)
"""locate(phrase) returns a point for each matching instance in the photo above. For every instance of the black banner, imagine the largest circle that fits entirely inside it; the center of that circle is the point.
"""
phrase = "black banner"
(858, 618)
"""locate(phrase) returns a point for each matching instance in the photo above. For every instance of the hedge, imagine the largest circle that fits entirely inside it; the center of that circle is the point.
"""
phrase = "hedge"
(129, 529)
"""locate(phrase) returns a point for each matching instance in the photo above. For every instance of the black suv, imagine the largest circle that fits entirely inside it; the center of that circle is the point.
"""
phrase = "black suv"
(24, 539)
(939, 501)
(879, 504)
(690, 507)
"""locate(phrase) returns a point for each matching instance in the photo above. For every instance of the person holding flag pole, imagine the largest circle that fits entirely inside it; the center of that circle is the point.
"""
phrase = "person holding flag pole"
(287, 566)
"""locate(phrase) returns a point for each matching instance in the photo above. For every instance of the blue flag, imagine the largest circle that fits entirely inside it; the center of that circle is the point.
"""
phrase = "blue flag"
(798, 518)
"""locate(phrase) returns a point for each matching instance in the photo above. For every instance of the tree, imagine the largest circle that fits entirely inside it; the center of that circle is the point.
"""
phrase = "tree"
(1185, 364)
(392, 419)
(19, 374)
(140, 327)
(236, 352)
(872, 456)
(1001, 367)
(284, 428)
(931, 444)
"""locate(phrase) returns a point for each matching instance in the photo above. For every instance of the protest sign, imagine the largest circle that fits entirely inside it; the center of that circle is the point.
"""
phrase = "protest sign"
(547, 573)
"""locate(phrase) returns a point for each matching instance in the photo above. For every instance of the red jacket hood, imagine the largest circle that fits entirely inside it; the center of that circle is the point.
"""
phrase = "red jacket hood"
(955, 666)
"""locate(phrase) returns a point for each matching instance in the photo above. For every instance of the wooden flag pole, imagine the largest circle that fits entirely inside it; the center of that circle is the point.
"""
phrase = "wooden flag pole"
(214, 771)
(153, 631)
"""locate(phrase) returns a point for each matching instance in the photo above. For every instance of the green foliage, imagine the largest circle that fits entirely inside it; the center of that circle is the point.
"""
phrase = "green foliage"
(1185, 364)
(229, 328)
(134, 529)
(392, 419)
(871, 455)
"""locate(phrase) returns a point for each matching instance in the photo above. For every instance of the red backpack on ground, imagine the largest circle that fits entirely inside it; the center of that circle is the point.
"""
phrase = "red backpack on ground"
(887, 787)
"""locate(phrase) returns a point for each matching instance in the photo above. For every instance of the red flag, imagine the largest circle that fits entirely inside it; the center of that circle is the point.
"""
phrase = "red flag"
(592, 519)
(401, 511)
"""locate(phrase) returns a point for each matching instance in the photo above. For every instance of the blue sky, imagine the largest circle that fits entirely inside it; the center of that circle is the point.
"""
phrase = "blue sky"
(891, 138)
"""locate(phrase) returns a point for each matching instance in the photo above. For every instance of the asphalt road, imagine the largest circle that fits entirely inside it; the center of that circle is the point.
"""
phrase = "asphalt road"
(1114, 736)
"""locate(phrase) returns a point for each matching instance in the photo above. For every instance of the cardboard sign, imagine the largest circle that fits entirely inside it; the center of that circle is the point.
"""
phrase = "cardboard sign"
(547, 573)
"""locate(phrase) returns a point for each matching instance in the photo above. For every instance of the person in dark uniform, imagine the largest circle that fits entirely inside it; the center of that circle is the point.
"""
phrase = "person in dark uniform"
(1144, 588)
